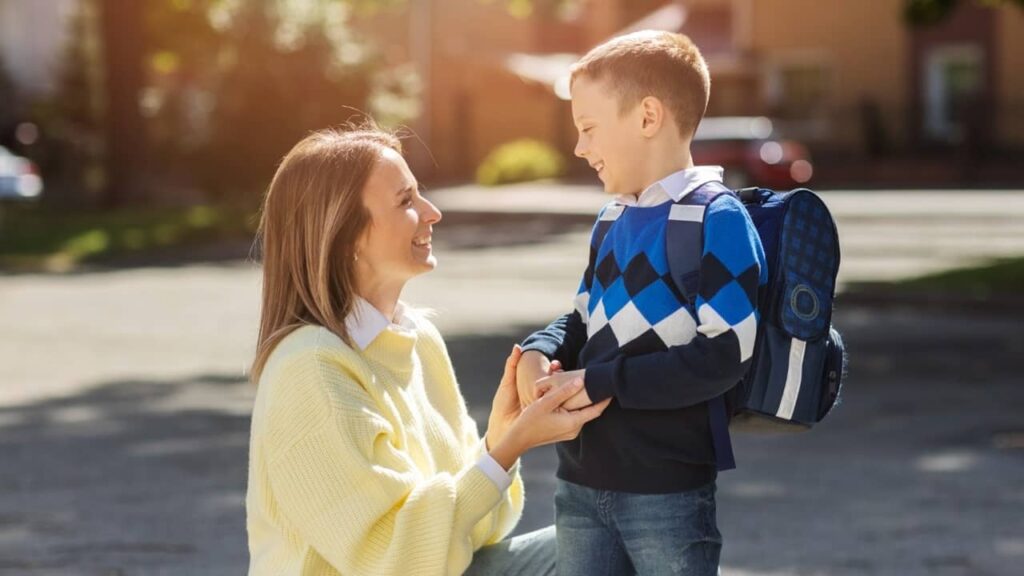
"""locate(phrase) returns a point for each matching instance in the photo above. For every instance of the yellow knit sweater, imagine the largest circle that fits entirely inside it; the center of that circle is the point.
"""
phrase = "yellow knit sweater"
(364, 461)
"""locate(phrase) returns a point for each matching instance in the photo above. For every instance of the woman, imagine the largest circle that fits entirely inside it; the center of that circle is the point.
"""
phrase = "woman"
(363, 459)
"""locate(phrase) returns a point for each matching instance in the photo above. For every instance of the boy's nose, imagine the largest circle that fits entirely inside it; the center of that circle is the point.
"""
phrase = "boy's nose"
(581, 150)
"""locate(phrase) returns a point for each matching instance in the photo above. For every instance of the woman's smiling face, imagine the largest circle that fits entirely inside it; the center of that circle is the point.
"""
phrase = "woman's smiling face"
(397, 243)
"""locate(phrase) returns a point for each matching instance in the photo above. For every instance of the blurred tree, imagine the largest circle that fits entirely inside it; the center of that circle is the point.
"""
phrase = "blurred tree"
(122, 32)
(927, 12)
(234, 84)
(69, 151)
(8, 103)
(222, 88)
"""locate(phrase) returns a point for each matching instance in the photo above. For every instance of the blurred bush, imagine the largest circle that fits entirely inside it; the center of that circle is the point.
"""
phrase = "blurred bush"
(36, 237)
(520, 161)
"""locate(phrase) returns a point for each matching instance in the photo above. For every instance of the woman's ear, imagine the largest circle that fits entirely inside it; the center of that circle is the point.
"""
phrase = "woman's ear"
(652, 113)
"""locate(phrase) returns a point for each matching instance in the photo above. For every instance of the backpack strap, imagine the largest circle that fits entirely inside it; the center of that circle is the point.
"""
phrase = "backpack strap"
(684, 248)
(684, 237)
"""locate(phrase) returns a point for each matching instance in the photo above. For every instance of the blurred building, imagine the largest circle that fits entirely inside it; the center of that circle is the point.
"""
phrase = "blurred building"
(852, 79)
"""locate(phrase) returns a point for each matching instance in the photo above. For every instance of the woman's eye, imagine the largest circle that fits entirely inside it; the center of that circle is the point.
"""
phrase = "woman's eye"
(588, 129)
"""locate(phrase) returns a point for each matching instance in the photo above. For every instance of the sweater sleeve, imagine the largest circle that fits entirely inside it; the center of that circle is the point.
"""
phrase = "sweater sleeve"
(504, 516)
(564, 338)
(343, 480)
(732, 271)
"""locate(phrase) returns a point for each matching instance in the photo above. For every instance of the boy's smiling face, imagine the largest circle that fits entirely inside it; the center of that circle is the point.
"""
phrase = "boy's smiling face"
(612, 143)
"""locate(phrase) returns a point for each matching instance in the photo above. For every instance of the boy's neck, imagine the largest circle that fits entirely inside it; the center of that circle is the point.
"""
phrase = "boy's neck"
(660, 166)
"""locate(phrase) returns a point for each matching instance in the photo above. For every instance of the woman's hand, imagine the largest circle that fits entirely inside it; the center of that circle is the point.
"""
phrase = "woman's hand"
(506, 405)
(512, 430)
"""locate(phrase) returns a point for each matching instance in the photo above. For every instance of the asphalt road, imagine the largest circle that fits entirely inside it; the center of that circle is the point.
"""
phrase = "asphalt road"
(124, 419)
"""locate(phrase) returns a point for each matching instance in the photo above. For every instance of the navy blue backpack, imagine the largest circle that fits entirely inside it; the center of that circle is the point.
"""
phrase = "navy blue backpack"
(798, 359)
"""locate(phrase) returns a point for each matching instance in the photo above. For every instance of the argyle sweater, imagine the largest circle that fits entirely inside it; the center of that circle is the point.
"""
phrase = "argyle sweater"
(660, 357)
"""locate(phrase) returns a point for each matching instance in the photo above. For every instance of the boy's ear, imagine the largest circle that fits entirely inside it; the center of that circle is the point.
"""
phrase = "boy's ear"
(652, 113)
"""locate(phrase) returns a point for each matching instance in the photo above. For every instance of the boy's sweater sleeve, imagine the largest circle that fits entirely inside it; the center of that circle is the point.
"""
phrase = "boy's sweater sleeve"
(563, 338)
(732, 271)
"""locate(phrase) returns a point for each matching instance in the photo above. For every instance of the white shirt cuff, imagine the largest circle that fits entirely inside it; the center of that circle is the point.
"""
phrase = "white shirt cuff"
(490, 467)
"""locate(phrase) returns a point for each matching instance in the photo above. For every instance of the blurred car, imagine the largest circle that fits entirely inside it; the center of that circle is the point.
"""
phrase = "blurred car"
(19, 178)
(745, 147)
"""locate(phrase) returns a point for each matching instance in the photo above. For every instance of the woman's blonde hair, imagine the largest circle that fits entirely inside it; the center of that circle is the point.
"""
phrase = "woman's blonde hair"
(313, 216)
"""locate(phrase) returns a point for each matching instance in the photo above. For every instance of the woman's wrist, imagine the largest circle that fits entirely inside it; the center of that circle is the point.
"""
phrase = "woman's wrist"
(504, 451)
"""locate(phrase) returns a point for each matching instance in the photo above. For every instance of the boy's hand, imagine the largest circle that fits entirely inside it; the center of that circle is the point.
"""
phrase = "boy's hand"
(578, 400)
(532, 367)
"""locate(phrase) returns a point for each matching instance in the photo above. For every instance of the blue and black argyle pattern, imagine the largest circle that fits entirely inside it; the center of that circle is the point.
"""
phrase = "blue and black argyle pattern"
(630, 301)
(630, 296)
(730, 274)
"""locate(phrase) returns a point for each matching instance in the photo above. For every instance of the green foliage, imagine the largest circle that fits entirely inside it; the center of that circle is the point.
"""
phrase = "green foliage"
(232, 84)
(995, 280)
(520, 161)
(929, 12)
(70, 149)
(35, 236)
(1002, 276)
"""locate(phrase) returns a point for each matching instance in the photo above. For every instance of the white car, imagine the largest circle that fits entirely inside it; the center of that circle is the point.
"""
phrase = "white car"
(19, 177)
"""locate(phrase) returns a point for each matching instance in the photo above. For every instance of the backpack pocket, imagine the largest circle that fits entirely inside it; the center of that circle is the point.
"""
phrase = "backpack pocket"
(809, 262)
(787, 384)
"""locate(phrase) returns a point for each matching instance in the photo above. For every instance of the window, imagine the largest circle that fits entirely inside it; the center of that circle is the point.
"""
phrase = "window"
(799, 87)
(953, 80)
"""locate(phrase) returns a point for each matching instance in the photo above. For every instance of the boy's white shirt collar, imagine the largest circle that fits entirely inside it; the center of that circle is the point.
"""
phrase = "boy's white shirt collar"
(365, 322)
(674, 186)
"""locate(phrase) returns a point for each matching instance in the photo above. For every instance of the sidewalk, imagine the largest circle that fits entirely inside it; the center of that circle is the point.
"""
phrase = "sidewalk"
(124, 412)
(884, 234)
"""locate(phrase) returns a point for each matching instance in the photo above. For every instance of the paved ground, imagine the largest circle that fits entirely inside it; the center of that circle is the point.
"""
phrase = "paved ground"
(886, 234)
(124, 415)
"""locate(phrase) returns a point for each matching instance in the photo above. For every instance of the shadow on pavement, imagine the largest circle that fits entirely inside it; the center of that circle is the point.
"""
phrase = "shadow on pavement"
(919, 471)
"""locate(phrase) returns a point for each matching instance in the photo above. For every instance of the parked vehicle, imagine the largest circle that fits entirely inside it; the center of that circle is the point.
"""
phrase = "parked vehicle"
(751, 153)
(19, 178)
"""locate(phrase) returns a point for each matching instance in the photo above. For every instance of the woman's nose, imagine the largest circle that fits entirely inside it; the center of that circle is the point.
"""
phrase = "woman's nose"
(430, 213)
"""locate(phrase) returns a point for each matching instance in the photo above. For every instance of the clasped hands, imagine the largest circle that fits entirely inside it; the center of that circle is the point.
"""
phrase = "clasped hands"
(536, 376)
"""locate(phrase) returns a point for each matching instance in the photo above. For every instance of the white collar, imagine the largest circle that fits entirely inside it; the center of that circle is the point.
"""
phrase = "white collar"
(365, 322)
(674, 186)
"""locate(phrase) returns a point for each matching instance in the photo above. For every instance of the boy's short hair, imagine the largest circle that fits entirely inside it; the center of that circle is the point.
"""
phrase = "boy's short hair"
(665, 65)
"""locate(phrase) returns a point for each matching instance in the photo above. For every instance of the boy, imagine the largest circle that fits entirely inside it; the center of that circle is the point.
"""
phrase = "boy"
(636, 489)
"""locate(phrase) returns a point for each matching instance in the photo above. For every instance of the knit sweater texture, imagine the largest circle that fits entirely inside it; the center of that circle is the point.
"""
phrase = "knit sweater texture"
(660, 357)
(364, 461)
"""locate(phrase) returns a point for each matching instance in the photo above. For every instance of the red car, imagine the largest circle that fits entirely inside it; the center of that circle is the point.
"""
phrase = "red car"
(744, 146)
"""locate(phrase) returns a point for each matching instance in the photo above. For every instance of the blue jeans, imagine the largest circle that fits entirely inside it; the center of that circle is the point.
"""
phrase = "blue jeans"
(532, 554)
(601, 532)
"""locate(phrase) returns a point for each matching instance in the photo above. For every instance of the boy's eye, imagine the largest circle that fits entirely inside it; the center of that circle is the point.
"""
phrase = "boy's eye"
(406, 201)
